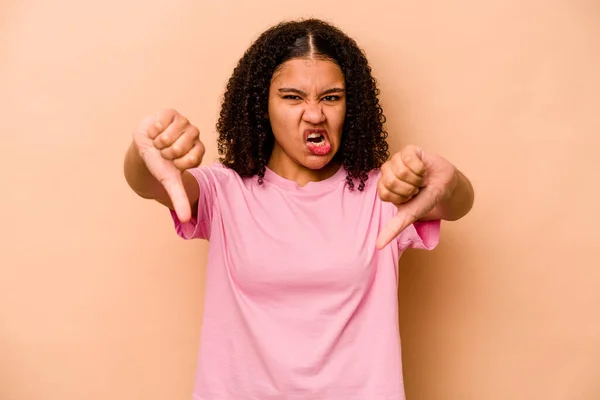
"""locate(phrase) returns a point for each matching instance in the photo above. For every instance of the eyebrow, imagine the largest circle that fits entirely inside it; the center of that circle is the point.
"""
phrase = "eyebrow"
(302, 93)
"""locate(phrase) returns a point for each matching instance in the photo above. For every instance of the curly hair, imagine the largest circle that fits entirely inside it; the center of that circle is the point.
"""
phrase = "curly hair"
(245, 139)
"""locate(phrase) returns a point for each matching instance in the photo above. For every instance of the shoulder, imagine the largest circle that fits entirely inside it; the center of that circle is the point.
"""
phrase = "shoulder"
(216, 178)
(215, 172)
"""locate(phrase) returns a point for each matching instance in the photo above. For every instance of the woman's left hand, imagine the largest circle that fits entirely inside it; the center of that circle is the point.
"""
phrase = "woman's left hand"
(416, 182)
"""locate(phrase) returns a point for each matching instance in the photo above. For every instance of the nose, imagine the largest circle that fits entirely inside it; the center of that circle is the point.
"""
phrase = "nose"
(313, 113)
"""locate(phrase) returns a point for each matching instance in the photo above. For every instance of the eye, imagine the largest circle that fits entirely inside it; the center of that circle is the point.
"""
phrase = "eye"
(291, 97)
(331, 98)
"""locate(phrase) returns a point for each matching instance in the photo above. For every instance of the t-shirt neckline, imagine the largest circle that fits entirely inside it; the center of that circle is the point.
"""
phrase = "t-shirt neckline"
(337, 177)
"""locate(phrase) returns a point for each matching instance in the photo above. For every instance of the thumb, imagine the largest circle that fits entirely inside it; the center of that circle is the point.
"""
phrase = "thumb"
(407, 214)
(173, 184)
(171, 179)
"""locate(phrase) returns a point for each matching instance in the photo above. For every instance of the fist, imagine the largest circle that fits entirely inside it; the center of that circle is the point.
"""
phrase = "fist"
(168, 144)
(402, 177)
(416, 183)
(170, 135)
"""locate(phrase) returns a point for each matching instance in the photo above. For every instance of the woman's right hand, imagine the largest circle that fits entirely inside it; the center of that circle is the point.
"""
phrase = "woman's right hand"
(168, 144)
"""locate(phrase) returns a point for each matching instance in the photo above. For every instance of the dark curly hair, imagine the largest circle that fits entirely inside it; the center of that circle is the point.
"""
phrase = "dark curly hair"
(245, 139)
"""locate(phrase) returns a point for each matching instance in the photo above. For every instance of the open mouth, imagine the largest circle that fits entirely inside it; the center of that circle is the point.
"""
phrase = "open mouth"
(316, 138)
(317, 142)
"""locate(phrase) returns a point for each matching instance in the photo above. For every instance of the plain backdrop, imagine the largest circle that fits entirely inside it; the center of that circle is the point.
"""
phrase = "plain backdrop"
(99, 299)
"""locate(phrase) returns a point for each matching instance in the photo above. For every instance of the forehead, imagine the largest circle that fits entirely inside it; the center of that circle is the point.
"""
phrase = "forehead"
(308, 72)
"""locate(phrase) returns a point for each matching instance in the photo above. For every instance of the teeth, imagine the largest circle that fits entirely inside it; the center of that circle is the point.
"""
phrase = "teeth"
(314, 135)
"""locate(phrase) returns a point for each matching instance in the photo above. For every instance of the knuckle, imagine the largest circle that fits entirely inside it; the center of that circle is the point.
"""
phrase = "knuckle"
(170, 154)
(385, 194)
(164, 117)
(195, 132)
(181, 120)
(403, 174)
(177, 149)
(168, 112)
(410, 149)
(148, 121)
(195, 149)
(147, 128)
(166, 154)
(403, 191)
(180, 164)
(193, 158)
(397, 157)
(401, 194)
(381, 190)
(389, 180)
(163, 140)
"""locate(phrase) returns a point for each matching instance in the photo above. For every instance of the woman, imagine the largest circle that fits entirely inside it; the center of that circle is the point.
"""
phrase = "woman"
(307, 216)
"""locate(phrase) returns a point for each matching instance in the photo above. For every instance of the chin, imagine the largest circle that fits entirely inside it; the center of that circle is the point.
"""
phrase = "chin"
(317, 162)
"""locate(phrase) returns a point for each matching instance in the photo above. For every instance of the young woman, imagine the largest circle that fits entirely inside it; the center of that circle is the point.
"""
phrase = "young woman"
(307, 216)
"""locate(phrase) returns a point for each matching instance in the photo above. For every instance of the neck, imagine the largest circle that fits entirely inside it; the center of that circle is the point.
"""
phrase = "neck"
(293, 171)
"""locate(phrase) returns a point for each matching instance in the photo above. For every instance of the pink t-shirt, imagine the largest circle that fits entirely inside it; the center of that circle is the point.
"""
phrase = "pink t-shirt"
(299, 304)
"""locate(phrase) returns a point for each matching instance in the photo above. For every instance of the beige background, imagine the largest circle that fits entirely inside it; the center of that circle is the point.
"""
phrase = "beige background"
(100, 300)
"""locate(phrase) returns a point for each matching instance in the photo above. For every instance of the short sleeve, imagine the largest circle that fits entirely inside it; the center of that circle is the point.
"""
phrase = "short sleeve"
(422, 235)
(199, 227)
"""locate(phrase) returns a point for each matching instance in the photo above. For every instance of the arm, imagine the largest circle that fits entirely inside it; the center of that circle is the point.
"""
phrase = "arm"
(423, 186)
(164, 147)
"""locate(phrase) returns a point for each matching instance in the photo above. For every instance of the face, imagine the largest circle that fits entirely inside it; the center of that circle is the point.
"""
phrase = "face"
(307, 106)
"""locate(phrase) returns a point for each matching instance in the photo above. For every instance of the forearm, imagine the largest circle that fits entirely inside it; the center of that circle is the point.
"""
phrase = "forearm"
(456, 203)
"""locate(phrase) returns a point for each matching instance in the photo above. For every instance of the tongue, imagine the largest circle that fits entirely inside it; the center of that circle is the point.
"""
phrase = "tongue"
(319, 149)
